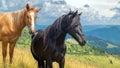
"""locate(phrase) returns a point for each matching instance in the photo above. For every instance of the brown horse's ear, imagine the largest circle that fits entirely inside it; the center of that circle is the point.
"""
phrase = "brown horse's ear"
(27, 6)
(37, 9)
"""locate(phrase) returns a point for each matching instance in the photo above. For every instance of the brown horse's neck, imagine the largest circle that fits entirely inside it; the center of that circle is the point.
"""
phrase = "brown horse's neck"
(19, 20)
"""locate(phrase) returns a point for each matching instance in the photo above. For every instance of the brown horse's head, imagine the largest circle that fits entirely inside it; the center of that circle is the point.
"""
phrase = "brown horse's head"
(30, 17)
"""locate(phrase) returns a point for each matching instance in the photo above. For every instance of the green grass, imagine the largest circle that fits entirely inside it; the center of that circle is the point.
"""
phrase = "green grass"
(92, 55)
(23, 59)
(101, 61)
(76, 57)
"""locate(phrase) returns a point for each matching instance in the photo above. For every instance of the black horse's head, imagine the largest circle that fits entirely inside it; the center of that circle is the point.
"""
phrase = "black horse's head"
(73, 27)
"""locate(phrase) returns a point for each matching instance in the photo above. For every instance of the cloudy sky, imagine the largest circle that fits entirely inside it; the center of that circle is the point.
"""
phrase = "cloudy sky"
(103, 6)
(105, 12)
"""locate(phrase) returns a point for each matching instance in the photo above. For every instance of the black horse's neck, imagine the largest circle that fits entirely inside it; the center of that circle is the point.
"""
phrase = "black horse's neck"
(60, 32)
(61, 39)
(55, 32)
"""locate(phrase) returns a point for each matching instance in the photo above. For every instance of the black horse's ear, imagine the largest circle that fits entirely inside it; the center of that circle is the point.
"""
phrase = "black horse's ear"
(70, 12)
(75, 13)
(80, 14)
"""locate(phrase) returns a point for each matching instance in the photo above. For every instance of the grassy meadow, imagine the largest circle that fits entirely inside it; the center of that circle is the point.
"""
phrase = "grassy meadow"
(23, 59)
(76, 57)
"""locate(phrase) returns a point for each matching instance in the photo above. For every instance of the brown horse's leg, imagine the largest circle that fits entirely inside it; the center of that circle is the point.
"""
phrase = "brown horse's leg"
(4, 52)
(11, 50)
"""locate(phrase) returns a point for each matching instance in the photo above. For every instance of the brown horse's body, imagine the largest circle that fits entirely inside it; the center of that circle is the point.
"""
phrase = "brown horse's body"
(11, 26)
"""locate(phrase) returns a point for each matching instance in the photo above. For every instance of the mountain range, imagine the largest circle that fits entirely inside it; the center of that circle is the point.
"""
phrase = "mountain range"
(110, 33)
(105, 37)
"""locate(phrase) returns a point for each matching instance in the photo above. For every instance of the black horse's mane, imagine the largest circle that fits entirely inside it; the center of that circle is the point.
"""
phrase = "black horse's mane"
(54, 29)
(58, 22)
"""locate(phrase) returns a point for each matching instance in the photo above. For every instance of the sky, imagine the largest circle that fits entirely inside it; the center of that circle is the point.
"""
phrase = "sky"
(102, 12)
(103, 6)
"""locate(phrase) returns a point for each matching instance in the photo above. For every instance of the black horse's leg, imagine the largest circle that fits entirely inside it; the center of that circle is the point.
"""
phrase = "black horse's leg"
(41, 64)
(49, 63)
(61, 63)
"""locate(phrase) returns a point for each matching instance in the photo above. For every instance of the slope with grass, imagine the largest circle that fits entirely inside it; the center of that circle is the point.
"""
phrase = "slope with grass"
(23, 59)
(92, 55)
(76, 57)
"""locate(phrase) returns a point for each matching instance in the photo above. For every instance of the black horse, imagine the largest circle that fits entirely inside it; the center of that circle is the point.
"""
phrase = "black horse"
(48, 45)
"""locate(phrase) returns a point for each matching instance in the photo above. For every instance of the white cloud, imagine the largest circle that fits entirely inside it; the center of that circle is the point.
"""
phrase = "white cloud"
(103, 6)
(92, 15)
(98, 12)
(4, 5)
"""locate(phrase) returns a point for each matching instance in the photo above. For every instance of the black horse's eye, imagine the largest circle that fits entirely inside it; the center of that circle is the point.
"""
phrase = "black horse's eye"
(75, 26)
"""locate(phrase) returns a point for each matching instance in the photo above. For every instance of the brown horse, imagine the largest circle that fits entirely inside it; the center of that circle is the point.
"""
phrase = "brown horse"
(11, 26)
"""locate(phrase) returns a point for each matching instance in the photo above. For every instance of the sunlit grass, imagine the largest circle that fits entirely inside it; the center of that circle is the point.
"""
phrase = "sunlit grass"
(100, 61)
(23, 59)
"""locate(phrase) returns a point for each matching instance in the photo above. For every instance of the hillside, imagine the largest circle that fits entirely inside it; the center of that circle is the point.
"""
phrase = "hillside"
(74, 48)
(91, 55)
(25, 40)
(109, 33)
(23, 59)
(76, 57)
(108, 46)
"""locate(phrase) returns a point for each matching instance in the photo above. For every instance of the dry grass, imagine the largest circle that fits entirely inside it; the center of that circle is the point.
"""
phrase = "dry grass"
(23, 59)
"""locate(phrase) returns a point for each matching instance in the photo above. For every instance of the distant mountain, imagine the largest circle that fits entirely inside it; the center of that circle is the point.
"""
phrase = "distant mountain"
(108, 46)
(74, 48)
(88, 28)
(109, 33)
(105, 37)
